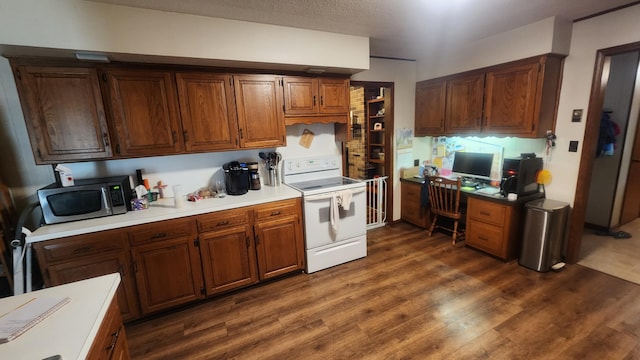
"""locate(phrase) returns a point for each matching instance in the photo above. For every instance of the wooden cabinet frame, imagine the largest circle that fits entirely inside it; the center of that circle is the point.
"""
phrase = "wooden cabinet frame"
(518, 98)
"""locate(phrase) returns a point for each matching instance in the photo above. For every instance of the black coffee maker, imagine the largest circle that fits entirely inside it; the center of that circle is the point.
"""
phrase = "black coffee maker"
(236, 178)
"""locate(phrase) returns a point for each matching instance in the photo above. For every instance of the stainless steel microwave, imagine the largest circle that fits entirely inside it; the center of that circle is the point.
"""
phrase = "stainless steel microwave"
(87, 199)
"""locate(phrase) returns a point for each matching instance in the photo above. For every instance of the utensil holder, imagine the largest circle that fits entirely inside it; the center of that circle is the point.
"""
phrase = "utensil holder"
(274, 179)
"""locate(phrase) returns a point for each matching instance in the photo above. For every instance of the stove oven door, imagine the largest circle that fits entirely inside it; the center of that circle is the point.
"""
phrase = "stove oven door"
(320, 230)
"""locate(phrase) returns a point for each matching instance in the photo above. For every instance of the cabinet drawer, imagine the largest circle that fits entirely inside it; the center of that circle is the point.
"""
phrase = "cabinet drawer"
(486, 237)
(277, 209)
(161, 230)
(486, 211)
(82, 245)
(221, 220)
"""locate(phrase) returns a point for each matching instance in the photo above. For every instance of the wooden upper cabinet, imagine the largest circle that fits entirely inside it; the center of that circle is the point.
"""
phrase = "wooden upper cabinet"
(464, 104)
(208, 111)
(521, 98)
(315, 100)
(334, 96)
(300, 95)
(259, 105)
(510, 99)
(64, 113)
(430, 107)
(144, 110)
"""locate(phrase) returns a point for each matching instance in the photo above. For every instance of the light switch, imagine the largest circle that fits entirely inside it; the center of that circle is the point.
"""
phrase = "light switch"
(573, 146)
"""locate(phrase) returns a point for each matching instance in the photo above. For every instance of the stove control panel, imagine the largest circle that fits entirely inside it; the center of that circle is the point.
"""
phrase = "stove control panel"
(314, 164)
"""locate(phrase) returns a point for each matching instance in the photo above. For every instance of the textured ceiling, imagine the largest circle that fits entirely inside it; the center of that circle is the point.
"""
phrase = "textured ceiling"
(396, 28)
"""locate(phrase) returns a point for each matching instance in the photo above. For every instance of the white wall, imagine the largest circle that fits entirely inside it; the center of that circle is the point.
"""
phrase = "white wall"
(91, 26)
(612, 29)
(150, 35)
(545, 36)
(403, 74)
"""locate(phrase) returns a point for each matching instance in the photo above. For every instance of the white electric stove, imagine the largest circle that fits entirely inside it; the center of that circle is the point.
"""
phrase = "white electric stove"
(334, 210)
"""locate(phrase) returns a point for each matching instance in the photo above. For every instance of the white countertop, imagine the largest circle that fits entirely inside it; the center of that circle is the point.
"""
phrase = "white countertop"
(163, 209)
(70, 330)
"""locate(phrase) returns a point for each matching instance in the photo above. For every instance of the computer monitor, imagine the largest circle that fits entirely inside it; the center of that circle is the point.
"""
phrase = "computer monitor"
(472, 165)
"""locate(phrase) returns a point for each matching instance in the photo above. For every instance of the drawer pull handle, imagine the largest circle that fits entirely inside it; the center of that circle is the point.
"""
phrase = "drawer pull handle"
(82, 249)
(485, 213)
(114, 340)
(159, 235)
(275, 213)
(483, 238)
(222, 223)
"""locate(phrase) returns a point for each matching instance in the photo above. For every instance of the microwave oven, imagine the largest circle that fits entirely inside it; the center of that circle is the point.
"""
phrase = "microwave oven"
(87, 199)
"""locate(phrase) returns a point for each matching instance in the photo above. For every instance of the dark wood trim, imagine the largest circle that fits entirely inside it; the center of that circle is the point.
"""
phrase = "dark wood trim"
(589, 145)
(606, 11)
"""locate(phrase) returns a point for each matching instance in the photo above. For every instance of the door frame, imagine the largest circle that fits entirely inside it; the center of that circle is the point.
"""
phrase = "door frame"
(589, 145)
(389, 123)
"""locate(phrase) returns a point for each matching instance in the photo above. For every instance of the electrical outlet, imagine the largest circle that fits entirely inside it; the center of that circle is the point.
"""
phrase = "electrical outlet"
(573, 146)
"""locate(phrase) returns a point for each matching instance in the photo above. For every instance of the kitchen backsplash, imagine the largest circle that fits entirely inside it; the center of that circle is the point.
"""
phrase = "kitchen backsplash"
(195, 171)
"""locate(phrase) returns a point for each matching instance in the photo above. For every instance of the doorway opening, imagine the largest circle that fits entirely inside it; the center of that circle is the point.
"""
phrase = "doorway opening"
(622, 174)
(368, 155)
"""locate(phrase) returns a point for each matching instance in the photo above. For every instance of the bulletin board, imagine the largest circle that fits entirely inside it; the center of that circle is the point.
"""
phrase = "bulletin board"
(444, 149)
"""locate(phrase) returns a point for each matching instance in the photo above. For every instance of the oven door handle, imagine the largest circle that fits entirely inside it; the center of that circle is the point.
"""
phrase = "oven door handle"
(329, 195)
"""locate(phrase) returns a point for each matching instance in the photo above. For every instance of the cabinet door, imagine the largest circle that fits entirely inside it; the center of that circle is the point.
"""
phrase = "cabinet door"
(411, 208)
(279, 246)
(228, 259)
(300, 96)
(259, 105)
(334, 96)
(144, 108)
(510, 99)
(110, 342)
(430, 107)
(208, 111)
(64, 113)
(464, 104)
(168, 273)
(93, 266)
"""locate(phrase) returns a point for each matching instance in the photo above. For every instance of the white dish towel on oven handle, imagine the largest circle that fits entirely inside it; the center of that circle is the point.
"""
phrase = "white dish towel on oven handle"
(334, 215)
(344, 198)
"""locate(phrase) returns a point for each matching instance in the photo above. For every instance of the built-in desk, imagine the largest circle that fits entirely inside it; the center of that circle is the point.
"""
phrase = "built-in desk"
(493, 223)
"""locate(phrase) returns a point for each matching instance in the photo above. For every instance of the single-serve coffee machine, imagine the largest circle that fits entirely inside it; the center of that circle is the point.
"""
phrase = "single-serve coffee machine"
(520, 175)
(236, 178)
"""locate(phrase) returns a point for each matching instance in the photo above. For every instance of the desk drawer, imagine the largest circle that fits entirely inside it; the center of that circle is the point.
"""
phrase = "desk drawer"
(486, 211)
(485, 237)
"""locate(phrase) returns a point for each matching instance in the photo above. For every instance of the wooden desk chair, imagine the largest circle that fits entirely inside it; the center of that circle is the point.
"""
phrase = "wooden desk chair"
(444, 200)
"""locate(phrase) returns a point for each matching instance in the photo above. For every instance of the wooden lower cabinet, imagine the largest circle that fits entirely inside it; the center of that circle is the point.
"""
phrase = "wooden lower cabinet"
(85, 256)
(167, 269)
(412, 210)
(111, 341)
(494, 227)
(279, 239)
(170, 263)
(227, 250)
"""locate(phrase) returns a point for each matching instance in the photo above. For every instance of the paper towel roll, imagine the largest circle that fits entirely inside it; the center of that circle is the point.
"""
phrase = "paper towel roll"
(178, 198)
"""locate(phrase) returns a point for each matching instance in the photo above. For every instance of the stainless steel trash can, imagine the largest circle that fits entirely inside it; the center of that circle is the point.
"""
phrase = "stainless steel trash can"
(545, 231)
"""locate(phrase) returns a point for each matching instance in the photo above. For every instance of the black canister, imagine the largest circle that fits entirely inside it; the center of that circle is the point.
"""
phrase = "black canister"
(236, 178)
(254, 175)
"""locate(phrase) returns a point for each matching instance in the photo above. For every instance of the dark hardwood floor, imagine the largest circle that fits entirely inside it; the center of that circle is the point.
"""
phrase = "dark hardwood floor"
(412, 297)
